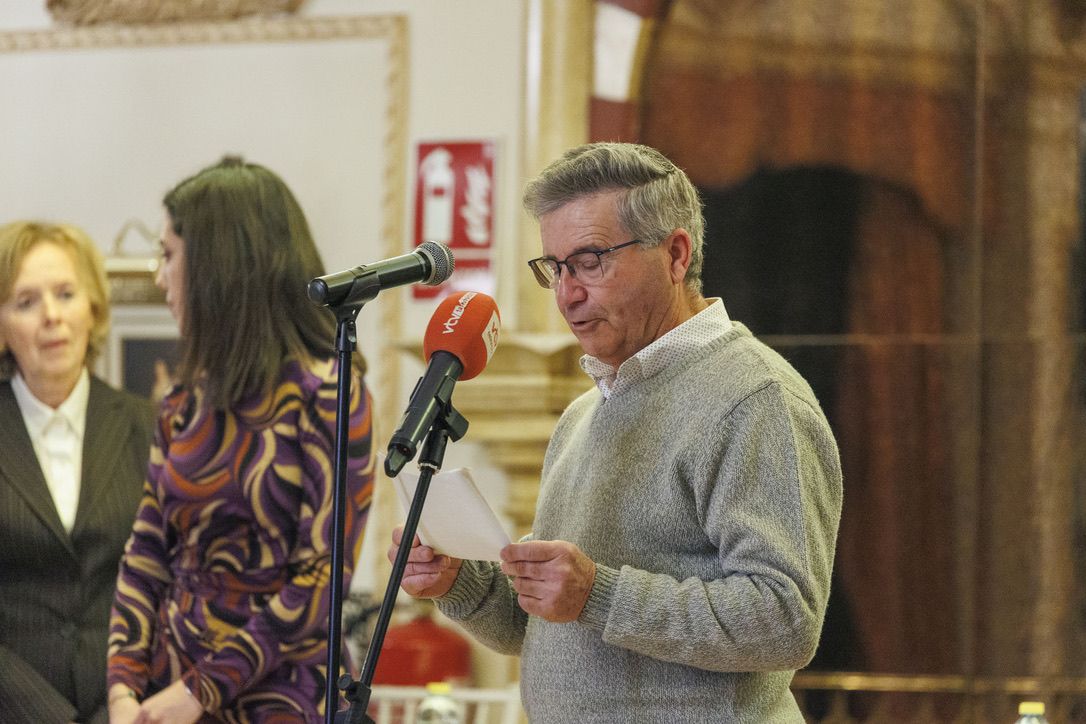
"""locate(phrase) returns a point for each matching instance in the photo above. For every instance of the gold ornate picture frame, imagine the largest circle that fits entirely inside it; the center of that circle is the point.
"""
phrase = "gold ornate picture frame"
(359, 60)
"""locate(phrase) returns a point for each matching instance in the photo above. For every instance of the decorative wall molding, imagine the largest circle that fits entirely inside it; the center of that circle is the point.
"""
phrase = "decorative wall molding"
(252, 30)
(90, 12)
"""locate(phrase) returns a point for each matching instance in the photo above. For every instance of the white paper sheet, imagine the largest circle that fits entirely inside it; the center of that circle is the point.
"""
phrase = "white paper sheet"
(456, 519)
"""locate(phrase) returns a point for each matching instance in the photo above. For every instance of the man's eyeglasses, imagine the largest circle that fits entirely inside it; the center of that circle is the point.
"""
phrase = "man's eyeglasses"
(585, 266)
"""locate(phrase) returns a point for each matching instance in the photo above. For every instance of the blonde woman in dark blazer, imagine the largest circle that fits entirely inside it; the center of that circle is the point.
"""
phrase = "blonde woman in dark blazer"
(73, 462)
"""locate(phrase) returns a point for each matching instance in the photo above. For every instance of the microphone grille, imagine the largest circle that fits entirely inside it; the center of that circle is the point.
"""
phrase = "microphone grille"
(441, 262)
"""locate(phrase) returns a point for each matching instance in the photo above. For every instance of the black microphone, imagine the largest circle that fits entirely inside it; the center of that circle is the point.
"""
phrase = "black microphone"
(459, 342)
(430, 263)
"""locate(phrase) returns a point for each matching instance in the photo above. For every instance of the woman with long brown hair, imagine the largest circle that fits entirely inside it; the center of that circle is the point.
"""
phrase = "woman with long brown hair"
(223, 594)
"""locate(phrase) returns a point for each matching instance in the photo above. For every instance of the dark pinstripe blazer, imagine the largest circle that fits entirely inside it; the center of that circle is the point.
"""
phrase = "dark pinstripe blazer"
(56, 588)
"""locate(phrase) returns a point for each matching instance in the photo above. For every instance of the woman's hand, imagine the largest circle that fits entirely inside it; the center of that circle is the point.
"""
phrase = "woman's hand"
(124, 707)
(163, 381)
(173, 705)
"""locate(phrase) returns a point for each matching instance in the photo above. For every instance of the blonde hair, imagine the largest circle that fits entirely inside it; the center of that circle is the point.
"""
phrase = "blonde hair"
(16, 241)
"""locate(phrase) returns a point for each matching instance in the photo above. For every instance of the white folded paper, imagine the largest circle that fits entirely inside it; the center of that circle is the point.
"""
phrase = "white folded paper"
(456, 519)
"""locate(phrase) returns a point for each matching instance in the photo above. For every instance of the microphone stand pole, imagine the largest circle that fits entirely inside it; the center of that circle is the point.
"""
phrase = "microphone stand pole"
(363, 289)
(345, 343)
(449, 424)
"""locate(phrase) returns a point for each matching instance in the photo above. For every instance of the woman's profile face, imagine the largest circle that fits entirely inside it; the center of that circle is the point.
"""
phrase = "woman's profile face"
(170, 277)
(47, 320)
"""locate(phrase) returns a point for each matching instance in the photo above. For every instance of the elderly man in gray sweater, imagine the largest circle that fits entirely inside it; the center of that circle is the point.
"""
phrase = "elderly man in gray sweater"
(679, 563)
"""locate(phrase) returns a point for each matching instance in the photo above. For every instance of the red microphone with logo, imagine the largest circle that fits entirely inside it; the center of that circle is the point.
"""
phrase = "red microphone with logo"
(459, 342)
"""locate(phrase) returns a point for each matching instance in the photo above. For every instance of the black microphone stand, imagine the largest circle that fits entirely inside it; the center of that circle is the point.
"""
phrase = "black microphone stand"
(346, 339)
(364, 289)
(449, 425)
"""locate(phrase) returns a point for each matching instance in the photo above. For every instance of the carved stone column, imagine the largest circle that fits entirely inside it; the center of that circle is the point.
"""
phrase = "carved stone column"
(515, 403)
(557, 89)
(535, 374)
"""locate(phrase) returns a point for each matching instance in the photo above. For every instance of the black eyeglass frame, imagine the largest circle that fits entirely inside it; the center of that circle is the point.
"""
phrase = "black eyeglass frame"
(543, 273)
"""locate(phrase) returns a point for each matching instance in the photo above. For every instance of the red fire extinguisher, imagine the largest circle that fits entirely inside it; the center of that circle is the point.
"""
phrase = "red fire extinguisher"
(421, 651)
(438, 194)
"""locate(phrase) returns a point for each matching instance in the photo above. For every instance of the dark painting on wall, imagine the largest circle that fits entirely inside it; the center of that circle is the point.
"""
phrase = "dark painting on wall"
(139, 356)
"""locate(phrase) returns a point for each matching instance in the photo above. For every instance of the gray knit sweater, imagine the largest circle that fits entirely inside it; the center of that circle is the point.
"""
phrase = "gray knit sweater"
(709, 497)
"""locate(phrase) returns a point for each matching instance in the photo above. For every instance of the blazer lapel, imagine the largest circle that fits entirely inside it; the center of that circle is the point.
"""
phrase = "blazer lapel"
(19, 466)
(106, 430)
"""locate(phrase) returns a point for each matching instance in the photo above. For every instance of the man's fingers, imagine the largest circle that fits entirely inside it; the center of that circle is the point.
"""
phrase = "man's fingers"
(397, 537)
(535, 550)
(420, 554)
(524, 569)
(528, 587)
(437, 564)
(418, 551)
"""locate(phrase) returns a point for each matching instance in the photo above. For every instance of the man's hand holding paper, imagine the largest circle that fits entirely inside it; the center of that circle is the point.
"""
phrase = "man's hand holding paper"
(428, 575)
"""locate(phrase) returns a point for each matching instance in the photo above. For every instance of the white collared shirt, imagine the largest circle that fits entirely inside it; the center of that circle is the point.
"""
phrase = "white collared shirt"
(696, 332)
(57, 435)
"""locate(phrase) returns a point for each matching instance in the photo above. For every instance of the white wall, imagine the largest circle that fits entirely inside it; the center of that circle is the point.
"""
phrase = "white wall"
(466, 62)
(24, 15)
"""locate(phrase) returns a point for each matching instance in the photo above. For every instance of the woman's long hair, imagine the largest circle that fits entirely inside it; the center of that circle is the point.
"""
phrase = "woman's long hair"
(249, 256)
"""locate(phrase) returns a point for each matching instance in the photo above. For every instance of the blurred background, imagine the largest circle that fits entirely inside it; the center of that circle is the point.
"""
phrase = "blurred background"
(894, 196)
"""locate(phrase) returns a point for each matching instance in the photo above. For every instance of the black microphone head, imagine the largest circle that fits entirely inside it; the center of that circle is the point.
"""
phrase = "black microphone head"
(441, 262)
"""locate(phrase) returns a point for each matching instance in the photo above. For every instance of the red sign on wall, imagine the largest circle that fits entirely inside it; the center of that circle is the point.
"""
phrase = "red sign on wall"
(454, 205)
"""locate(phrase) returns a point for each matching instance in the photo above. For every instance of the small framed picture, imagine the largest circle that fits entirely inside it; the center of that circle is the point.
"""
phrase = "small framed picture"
(140, 336)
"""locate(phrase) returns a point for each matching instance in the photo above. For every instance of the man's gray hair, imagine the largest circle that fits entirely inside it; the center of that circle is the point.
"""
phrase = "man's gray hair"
(658, 198)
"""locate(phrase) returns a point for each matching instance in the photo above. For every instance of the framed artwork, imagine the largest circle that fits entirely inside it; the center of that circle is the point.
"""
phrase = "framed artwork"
(140, 336)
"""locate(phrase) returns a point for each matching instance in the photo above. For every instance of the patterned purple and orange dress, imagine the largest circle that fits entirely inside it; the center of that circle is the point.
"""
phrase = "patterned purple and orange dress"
(225, 578)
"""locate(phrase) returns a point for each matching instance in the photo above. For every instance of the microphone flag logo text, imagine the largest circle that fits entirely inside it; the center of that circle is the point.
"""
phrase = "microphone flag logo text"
(490, 330)
(457, 312)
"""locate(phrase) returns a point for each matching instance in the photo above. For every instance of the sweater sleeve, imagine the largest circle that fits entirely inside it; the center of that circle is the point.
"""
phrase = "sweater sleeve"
(297, 615)
(768, 493)
(483, 602)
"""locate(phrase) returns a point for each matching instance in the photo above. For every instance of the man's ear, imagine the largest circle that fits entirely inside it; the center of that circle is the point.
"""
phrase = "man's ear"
(678, 247)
